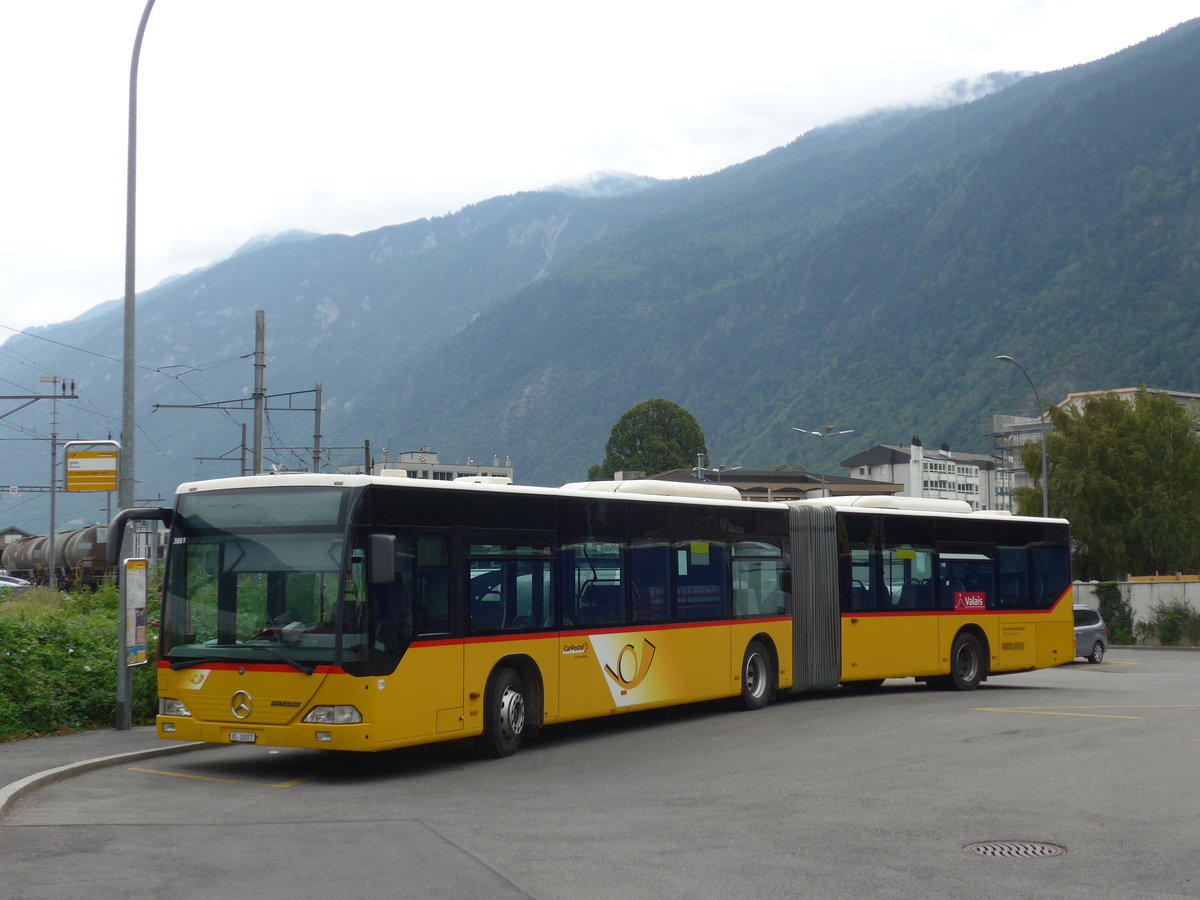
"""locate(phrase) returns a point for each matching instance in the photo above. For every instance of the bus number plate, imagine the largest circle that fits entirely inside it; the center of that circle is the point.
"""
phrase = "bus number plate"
(242, 737)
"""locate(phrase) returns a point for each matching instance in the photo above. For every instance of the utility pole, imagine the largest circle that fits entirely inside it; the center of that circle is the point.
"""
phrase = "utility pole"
(259, 403)
(54, 396)
(316, 454)
(259, 395)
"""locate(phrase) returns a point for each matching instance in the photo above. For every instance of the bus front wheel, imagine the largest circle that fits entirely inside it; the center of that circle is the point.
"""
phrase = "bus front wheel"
(966, 663)
(504, 712)
(757, 676)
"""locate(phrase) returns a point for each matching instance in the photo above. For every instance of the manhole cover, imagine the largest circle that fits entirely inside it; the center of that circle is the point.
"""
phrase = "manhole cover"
(1015, 849)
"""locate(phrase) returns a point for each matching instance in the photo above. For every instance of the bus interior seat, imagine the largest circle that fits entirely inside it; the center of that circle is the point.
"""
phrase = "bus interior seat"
(860, 599)
(602, 601)
(487, 615)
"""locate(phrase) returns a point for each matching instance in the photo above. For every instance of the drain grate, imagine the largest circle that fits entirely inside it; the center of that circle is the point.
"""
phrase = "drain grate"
(1015, 849)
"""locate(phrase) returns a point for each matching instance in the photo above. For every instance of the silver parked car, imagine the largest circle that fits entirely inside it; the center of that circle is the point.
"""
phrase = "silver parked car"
(1091, 634)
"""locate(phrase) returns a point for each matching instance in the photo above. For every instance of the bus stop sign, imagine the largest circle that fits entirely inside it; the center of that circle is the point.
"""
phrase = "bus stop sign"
(91, 465)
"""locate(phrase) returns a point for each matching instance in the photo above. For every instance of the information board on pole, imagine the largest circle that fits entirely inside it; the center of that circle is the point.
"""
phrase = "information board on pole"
(134, 604)
(91, 465)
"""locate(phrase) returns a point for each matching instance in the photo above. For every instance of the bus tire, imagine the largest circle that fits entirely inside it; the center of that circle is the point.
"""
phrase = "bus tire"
(966, 662)
(758, 678)
(504, 714)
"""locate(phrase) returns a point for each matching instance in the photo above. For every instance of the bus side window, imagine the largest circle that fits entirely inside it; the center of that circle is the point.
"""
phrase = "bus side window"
(858, 564)
(431, 606)
(908, 573)
(391, 604)
(593, 584)
(650, 581)
(758, 576)
(431, 584)
(700, 589)
(966, 578)
(1051, 570)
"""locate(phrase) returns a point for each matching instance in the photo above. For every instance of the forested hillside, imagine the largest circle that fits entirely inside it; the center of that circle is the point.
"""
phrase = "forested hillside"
(871, 284)
(864, 276)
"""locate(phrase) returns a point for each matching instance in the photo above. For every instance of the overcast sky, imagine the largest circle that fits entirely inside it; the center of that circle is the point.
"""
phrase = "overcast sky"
(258, 116)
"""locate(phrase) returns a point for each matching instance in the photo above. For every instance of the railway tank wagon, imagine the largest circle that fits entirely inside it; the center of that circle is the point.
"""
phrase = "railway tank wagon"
(79, 557)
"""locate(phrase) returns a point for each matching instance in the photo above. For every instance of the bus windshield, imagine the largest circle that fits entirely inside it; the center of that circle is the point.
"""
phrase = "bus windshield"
(244, 587)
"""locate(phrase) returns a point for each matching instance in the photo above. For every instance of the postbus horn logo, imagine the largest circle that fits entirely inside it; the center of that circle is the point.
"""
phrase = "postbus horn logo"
(631, 671)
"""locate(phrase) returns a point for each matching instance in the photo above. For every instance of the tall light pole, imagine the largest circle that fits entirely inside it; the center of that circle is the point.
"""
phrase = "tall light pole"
(828, 432)
(1042, 429)
(125, 482)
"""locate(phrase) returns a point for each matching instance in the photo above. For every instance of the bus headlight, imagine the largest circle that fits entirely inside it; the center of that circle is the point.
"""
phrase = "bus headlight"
(333, 715)
(168, 706)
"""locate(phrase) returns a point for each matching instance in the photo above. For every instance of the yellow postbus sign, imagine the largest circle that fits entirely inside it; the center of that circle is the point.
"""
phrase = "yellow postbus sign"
(91, 465)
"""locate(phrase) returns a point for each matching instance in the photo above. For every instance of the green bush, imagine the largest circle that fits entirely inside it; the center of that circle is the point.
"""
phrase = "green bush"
(1117, 612)
(1171, 623)
(58, 664)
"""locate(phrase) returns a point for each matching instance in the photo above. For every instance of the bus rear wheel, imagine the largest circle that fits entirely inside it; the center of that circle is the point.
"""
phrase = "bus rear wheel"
(504, 714)
(966, 663)
(757, 676)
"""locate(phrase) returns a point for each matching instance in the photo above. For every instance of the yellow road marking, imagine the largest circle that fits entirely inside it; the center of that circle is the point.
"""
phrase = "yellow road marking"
(1069, 710)
(1046, 712)
(282, 784)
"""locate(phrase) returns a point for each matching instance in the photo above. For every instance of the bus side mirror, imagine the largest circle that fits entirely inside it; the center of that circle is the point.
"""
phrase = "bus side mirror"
(382, 548)
(116, 528)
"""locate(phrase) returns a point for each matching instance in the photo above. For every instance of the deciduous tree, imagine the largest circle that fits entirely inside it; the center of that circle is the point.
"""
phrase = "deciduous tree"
(654, 436)
(1127, 476)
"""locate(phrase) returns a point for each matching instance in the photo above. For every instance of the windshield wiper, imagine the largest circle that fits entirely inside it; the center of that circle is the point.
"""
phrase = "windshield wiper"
(295, 664)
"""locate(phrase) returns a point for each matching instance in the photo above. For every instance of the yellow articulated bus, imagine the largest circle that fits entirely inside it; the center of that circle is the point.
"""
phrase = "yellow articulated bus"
(372, 612)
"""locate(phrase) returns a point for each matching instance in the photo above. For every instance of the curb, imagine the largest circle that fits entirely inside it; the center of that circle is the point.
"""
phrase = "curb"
(11, 792)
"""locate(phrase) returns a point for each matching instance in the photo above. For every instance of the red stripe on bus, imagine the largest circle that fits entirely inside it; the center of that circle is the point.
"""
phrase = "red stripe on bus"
(949, 613)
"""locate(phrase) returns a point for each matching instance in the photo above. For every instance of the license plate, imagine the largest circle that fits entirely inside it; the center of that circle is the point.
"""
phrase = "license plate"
(243, 737)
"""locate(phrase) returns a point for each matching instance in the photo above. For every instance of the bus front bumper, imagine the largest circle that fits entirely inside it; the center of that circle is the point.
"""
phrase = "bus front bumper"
(301, 734)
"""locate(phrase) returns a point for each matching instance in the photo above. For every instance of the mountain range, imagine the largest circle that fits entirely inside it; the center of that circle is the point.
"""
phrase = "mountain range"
(863, 276)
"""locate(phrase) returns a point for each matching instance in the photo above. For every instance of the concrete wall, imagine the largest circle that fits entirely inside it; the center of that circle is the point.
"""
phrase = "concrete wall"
(1144, 595)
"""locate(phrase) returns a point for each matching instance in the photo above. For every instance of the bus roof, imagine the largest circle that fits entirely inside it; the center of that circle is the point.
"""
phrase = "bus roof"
(916, 505)
(643, 490)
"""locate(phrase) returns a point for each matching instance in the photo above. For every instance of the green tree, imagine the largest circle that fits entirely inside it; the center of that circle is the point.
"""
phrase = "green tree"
(1127, 476)
(654, 436)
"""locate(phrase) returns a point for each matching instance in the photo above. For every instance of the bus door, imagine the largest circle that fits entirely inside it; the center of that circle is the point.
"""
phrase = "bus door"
(888, 597)
(509, 608)
(592, 641)
(424, 696)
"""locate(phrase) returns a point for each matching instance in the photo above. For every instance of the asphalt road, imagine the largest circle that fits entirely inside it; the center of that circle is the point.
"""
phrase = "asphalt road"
(837, 795)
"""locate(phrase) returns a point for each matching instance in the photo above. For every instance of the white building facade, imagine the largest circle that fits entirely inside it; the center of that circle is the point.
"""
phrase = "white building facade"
(939, 474)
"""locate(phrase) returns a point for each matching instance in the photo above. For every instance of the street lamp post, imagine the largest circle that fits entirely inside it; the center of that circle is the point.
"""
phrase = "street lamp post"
(828, 432)
(125, 481)
(1042, 416)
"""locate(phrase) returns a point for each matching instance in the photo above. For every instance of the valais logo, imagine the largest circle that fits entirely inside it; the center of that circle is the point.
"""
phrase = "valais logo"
(970, 600)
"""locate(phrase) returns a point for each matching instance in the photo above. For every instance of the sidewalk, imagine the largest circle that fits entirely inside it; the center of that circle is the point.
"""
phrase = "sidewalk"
(30, 763)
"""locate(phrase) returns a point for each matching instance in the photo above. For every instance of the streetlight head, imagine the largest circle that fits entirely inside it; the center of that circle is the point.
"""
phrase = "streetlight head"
(1006, 359)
